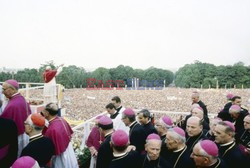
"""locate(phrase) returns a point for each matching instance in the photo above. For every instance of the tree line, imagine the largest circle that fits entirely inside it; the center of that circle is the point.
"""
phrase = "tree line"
(206, 75)
(76, 77)
(195, 75)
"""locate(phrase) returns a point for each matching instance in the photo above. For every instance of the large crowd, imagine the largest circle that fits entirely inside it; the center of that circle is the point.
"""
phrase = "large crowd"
(82, 104)
(45, 139)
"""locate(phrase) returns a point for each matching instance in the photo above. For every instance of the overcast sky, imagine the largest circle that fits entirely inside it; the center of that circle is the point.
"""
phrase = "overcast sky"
(138, 33)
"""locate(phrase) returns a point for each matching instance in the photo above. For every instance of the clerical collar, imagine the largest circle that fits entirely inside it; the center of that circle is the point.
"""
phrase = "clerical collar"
(113, 116)
(132, 123)
(216, 164)
(109, 133)
(226, 144)
(119, 154)
(119, 107)
(52, 119)
(178, 150)
(148, 158)
(15, 94)
(37, 135)
(198, 136)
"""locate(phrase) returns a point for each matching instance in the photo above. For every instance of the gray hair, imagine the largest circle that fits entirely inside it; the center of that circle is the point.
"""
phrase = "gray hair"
(203, 152)
(177, 136)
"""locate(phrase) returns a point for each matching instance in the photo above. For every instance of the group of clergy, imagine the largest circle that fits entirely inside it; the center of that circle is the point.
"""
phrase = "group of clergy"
(125, 138)
(128, 139)
(27, 140)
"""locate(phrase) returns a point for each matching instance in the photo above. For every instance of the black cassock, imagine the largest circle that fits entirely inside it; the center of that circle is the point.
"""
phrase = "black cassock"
(149, 129)
(181, 159)
(40, 148)
(164, 149)
(203, 106)
(118, 109)
(191, 141)
(8, 142)
(105, 153)
(137, 136)
(233, 156)
(244, 138)
(128, 160)
(209, 136)
(159, 163)
(116, 113)
(219, 164)
(239, 122)
(224, 114)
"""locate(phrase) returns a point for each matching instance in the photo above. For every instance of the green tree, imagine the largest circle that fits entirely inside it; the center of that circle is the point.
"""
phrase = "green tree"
(5, 76)
(156, 74)
(72, 76)
(28, 75)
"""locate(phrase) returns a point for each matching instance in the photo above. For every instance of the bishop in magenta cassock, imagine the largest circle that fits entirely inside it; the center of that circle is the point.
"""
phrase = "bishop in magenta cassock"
(60, 132)
(17, 110)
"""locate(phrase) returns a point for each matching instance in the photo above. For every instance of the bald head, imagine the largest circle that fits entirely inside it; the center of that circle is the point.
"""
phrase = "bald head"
(194, 126)
(194, 105)
(194, 119)
(198, 112)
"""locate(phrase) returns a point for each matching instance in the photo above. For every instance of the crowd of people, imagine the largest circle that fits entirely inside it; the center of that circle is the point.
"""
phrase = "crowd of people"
(126, 137)
(82, 104)
(197, 141)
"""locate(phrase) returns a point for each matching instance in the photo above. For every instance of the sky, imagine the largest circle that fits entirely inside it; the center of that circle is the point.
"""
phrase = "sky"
(138, 33)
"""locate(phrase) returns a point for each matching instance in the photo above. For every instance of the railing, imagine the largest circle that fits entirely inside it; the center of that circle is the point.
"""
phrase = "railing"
(87, 128)
(30, 86)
